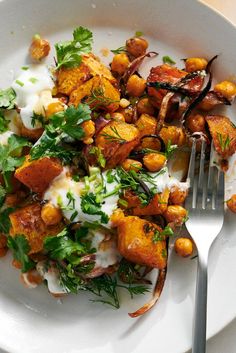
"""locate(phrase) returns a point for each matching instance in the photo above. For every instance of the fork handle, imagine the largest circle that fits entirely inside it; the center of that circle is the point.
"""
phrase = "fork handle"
(200, 316)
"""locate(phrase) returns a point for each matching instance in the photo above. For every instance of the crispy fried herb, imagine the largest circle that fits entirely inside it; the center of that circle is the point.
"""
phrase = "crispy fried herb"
(20, 248)
(119, 50)
(224, 141)
(90, 205)
(168, 60)
(7, 98)
(69, 52)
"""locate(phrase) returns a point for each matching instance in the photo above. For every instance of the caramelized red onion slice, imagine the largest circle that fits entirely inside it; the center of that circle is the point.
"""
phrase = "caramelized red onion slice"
(156, 295)
(135, 64)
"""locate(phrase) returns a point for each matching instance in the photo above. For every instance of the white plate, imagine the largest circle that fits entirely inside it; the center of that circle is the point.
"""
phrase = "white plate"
(31, 320)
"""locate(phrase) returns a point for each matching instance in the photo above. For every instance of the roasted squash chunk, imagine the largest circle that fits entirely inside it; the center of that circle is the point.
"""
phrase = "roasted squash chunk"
(146, 124)
(136, 242)
(223, 132)
(116, 140)
(38, 174)
(69, 79)
(108, 97)
(97, 68)
(27, 221)
(156, 206)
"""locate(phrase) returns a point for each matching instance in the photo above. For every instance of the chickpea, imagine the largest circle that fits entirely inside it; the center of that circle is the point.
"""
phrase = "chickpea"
(128, 114)
(89, 130)
(131, 164)
(120, 63)
(136, 46)
(196, 123)
(154, 161)
(184, 247)
(118, 116)
(176, 214)
(50, 214)
(117, 217)
(39, 48)
(54, 108)
(135, 86)
(32, 277)
(173, 134)
(226, 88)
(177, 196)
(3, 241)
(195, 64)
(145, 107)
(231, 203)
(3, 252)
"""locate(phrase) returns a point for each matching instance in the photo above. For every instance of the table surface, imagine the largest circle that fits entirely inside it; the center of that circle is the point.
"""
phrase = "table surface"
(225, 341)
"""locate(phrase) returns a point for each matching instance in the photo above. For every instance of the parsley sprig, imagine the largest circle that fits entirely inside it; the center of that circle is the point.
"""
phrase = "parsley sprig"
(69, 52)
(7, 98)
(20, 248)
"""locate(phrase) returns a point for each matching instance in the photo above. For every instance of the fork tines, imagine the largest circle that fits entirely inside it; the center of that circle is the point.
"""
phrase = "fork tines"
(206, 180)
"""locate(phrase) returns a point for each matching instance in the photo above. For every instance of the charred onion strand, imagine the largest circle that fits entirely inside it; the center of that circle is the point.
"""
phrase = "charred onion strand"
(135, 64)
(156, 294)
(172, 88)
(163, 146)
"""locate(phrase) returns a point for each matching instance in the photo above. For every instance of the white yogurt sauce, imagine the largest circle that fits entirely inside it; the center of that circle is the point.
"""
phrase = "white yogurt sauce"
(33, 89)
(4, 137)
(163, 180)
(61, 185)
(51, 275)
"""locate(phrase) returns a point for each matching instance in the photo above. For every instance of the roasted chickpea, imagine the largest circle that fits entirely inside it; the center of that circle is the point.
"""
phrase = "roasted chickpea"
(135, 86)
(131, 164)
(196, 123)
(226, 88)
(184, 247)
(39, 48)
(136, 46)
(120, 63)
(54, 108)
(3, 241)
(145, 107)
(128, 114)
(118, 116)
(173, 134)
(154, 161)
(231, 203)
(89, 131)
(31, 278)
(117, 217)
(3, 252)
(175, 214)
(195, 64)
(177, 196)
(50, 214)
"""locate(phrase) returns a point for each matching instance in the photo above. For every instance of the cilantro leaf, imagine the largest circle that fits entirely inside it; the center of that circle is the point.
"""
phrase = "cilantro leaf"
(5, 222)
(69, 52)
(8, 153)
(75, 117)
(90, 205)
(20, 248)
(61, 246)
(3, 123)
(7, 98)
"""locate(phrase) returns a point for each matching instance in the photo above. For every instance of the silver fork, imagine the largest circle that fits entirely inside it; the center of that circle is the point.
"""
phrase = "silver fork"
(205, 204)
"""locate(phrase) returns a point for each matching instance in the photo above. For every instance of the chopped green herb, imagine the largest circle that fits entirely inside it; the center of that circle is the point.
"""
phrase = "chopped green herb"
(90, 205)
(3, 123)
(99, 155)
(2, 195)
(119, 50)
(25, 68)
(138, 34)
(7, 98)
(37, 118)
(224, 142)
(115, 137)
(69, 52)
(168, 60)
(170, 149)
(5, 222)
(33, 80)
(20, 83)
(160, 236)
(20, 248)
